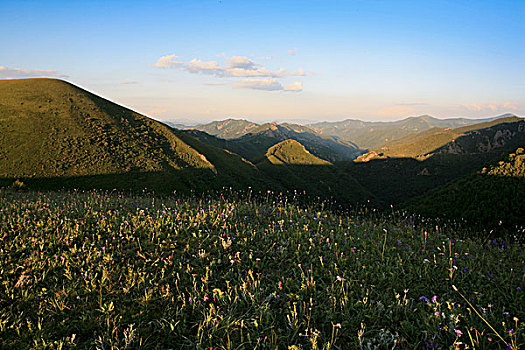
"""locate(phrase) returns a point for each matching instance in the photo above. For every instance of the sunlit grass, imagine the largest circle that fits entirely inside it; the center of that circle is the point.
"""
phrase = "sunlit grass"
(101, 270)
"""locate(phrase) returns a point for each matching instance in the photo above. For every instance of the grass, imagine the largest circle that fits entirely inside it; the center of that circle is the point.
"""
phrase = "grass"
(104, 270)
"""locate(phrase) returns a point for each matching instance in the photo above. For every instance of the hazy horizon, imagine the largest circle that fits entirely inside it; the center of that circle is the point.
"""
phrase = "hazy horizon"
(291, 60)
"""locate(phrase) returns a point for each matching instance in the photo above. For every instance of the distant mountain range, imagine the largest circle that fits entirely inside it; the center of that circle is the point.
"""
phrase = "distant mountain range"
(55, 135)
(362, 134)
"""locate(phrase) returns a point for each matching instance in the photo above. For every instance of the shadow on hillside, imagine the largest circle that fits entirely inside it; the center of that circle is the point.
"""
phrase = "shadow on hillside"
(397, 180)
(184, 181)
(484, 202)
(314, 181)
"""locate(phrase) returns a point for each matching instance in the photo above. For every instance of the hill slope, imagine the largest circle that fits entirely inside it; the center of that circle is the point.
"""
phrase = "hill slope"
(292, 152)
(421, 145)
(53, 130)
(491, 199)
(397, 180)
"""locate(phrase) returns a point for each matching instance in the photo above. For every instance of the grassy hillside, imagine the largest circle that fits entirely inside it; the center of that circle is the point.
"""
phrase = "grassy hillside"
(292, 152)
(491, 199)
(421, 145)
(92, 270)
(54, 133)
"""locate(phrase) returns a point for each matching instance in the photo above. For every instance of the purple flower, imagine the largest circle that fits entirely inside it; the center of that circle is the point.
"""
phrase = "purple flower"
(511, 332)
(423, 298)
(434, 298)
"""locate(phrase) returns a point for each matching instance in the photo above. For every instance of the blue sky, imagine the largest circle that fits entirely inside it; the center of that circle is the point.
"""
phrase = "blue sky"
(277, 60)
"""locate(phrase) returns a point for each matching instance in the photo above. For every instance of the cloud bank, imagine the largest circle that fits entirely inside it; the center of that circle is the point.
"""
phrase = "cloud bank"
(237, 67)
(13, 73)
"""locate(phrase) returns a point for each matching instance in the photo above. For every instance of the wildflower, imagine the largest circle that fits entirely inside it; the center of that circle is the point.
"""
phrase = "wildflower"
(511, 332)
(458, 332)
(206, 298)
(341, 279)
(423, 298)
(434, 298)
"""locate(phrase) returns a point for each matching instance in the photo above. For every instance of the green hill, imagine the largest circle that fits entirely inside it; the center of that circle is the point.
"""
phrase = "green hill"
(56, 134)
(491, 199)
(292, 152)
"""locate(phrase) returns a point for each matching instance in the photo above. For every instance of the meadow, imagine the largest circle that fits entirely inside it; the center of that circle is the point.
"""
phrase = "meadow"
(108, 270)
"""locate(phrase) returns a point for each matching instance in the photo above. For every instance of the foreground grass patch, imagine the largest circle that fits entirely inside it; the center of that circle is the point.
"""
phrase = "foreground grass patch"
(96, 270)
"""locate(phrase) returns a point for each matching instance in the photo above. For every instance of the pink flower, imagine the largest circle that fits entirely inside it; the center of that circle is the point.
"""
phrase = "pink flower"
(434, 298)
(458, 332)
(341, 279)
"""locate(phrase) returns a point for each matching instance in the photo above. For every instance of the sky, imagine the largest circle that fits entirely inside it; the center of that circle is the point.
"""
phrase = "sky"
(277, 60)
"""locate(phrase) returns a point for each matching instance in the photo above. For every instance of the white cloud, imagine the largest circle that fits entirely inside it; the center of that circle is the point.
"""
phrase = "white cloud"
(269, 84)
(242, 62)
(168, 62)
(491, 106)
(13, 73)
(237, 66)
(209, 67)
(297, 87)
